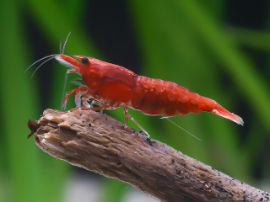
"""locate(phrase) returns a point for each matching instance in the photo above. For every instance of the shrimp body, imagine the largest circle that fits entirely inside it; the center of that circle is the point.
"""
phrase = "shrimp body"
(117, 86)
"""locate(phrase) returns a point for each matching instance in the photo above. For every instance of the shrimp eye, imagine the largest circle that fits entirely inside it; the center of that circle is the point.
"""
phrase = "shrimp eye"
(84, 61)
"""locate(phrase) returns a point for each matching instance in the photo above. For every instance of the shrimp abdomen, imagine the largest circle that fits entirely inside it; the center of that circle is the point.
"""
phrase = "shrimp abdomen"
(159, 97)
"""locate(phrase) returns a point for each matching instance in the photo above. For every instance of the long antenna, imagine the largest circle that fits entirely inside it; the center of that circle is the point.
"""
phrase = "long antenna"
(178, 126)
(40, 65)
(37, 61)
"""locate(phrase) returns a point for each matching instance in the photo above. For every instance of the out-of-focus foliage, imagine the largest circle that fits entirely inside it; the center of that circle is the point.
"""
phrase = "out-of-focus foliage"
(187, 42)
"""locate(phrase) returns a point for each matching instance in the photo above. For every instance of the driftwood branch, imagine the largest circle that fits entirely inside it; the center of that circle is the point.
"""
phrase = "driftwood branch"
(99, 143)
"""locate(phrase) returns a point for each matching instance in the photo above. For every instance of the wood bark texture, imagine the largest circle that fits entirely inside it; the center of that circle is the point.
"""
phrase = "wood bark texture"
(99, 143)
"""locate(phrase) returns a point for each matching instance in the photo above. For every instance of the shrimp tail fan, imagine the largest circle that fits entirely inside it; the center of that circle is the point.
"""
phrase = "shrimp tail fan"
(220, 111)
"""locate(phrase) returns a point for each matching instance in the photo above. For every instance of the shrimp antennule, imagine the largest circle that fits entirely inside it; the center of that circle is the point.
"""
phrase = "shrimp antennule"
(65, 43)
(48, 57)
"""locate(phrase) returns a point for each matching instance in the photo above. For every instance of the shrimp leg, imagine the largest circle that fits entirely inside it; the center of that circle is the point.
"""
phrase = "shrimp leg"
(81, 97)
(127, 115)
(78, 92)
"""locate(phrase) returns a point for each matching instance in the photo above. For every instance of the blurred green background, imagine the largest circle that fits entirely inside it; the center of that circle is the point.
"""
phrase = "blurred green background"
(219, 49)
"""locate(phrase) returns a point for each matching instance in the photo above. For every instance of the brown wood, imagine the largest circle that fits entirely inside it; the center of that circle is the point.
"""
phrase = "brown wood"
(99, 143)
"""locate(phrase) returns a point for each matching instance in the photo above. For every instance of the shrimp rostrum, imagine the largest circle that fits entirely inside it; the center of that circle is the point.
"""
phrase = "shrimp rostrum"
(116, 86)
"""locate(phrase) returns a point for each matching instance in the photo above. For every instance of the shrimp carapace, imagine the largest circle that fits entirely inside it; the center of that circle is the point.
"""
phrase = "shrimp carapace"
(116, 86)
